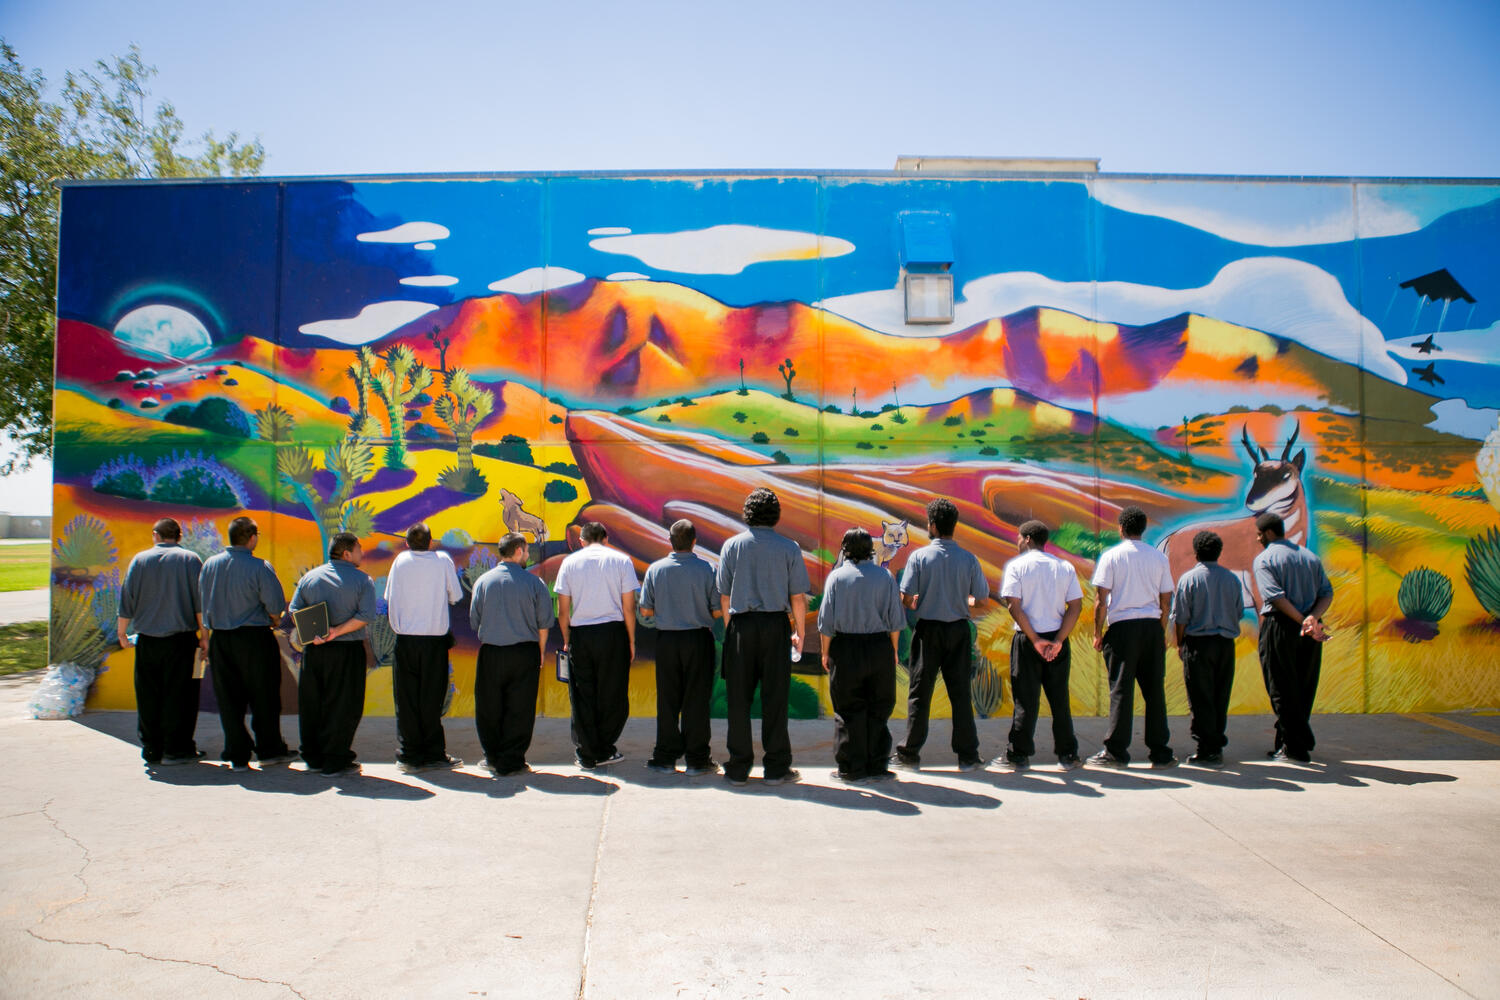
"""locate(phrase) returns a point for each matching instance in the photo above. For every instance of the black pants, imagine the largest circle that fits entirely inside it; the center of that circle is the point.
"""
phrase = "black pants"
(330, 703)
(862, 686)
(1030, 676)
(599, 688)
(166, 695)
(505, 686)
(1290, 663)
(246, 668)
(757, 651)
(1208, 674)
(684, 686)
(1135, 653)
(941, 648)
(419, 681)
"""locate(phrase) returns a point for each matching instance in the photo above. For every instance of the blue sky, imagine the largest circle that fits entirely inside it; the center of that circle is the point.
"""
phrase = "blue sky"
(1369, 89)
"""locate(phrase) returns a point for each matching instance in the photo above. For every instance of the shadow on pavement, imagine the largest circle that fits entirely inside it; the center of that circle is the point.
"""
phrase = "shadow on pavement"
(839, 798)
(924, 794)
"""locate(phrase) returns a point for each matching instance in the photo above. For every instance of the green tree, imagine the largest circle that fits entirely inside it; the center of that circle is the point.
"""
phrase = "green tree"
(104, 126)
(462, 410)
(402, 380)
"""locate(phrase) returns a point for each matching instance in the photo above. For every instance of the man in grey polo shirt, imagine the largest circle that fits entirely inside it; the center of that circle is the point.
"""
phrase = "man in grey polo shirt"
(161, 599)
(596, 611)
(242, 601)
(679, 594)
(941, 582)
(511, 612)
(331, 690)
(761, 579)
(1294, 593)
(1206, 610)
(861, 618)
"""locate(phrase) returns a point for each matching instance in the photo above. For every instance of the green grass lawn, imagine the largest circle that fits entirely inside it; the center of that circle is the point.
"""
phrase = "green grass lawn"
(24, 567)
(23, 647)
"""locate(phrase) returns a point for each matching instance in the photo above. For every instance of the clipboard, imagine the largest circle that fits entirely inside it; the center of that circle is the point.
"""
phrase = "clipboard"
(311, 623)
(564, 663)
(200, 663)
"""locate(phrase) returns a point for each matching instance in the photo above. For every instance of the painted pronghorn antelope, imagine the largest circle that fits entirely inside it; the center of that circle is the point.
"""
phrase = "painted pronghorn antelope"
(1275, 486)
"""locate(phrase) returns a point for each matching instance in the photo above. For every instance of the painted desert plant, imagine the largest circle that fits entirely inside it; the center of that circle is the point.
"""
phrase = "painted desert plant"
(481, 561)
(203, 538)
(1482, 569)
(1425, 595)
(401, 379)
(274, 423)
(986, 687)
(75, 633)
(463, 409)
(86, 546)
(349, 462)
(196, 480)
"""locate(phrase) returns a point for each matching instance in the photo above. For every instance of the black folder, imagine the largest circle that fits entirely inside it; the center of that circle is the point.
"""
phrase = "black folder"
(311, 622)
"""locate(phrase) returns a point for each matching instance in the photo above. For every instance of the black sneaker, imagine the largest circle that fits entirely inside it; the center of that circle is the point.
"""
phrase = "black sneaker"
(886, 775)
(1213, 760)
(350, 769)
(281, 758)
(445, 761)
(613, 758)
(1285, 756)
(1164, 765)
(1106, 759)
(1012, 762)
(969, 764)
(584, 764)
(513, 771)
(906, 762)
(660, 768)
(738, 781)
(709, 767)
(789, 776)
(174, 759)
(1069, 762)
(846, 777)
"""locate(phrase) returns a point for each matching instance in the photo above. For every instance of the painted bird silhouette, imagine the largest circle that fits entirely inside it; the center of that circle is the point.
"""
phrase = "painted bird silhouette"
(1428, 374)
(1426, 346)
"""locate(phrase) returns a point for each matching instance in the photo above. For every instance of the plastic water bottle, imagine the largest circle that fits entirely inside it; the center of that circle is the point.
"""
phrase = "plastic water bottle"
(796, 654)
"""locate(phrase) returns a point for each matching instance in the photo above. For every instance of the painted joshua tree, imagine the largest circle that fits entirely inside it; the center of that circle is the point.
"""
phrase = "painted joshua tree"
(463, 409)
(400, 381)
(349, 461)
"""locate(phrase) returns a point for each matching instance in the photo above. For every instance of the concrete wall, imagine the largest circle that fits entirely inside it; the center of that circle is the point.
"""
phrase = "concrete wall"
(632, 349)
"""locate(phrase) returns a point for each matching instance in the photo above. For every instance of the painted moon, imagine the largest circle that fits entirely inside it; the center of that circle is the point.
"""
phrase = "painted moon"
(164, 330)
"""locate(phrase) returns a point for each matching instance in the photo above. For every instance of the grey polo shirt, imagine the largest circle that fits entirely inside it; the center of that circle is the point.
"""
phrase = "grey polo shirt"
(345, 588)
(239, 590)
(681, 590)
(859, 598)
(944, 575)
(1208, 601)
(160, 594)
(509, 606)
(1290, 571)
(760, 570)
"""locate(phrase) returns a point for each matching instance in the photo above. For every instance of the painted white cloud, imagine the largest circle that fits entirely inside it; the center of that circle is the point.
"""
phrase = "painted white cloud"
(1454, 416)
(627, 276)
(1288, 298)
(1480, 347)
(536, 279)
(407, 232)
(373, 322)
(424, 246)
(609, 231)
(727, 249)
(1285, 215)
(430, 280)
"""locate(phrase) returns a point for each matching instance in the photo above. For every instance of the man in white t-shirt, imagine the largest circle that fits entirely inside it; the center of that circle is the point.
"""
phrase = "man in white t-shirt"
(1044, 598)
(1130, 627)
(595, 589)
(419, 587)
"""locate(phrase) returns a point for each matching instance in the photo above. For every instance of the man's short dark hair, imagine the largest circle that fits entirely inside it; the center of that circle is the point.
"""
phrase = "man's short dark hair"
(419, 537)
(683, 535)
(510, 543)
(1271, 522)
(592, 531)
(342, 543)
(241, 530)
(857, 545)
(943, 516)
(1132, 522)
(1207, 546)
(762, 508)
(1035, 532)
(168, 530)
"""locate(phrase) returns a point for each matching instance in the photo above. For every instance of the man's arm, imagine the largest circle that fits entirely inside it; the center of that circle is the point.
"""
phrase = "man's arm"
(455, 588)
(121, 625)
(627, 605)
(799, 619)
(1070, 619)
(909, 601)
(1013, 605)
(541, 638)
(1166, 609)
(1101, 603)
(352, 625)
(565, 616)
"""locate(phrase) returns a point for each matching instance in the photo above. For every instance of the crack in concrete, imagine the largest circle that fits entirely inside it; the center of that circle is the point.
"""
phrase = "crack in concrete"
(1315, 894)
(588, 923)
(88, 859)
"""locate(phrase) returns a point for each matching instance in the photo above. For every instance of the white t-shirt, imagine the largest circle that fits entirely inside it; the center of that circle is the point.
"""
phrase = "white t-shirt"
(1136, 575)
(1045, 584)
(418, 590)
(595, 578)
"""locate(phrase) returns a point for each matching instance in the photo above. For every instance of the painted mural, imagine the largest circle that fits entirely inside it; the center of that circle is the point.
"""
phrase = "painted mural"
(527, 353)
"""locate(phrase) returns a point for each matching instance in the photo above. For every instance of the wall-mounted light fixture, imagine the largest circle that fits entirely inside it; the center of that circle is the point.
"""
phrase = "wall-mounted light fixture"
(926, 256)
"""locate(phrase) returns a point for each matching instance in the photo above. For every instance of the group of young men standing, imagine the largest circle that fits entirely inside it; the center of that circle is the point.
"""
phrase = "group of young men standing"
(760, 591)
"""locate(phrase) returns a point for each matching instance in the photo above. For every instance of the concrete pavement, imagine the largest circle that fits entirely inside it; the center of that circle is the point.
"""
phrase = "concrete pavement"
(1369, 875)
(25, 605)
